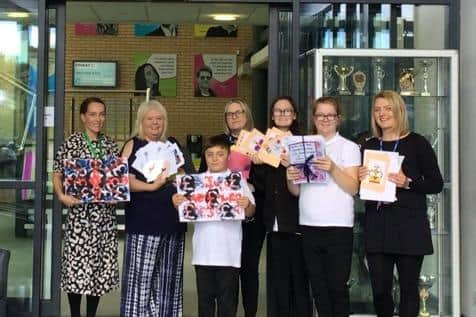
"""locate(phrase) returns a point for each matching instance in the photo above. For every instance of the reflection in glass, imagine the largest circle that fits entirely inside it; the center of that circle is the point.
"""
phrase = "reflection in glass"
(16, 232)
(18, 80)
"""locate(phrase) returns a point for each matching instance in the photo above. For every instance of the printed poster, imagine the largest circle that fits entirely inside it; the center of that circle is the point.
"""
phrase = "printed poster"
(303, 151)
(215, 75)
(96, 29)
(213, 30)
(97, 180)
(155, 29)
(157, 72)
(210, 197)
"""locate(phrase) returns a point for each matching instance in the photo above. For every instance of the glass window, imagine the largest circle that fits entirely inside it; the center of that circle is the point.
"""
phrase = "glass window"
(373, 26)
(18, 83)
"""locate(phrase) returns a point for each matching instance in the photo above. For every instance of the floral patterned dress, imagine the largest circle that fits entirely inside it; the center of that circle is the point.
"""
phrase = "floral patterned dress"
(89, 264)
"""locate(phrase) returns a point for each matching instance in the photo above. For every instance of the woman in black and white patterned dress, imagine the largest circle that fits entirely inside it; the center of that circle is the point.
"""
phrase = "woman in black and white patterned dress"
(89, 265)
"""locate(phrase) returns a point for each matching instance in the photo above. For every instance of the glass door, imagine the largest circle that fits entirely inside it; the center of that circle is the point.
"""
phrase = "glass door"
(19, 145)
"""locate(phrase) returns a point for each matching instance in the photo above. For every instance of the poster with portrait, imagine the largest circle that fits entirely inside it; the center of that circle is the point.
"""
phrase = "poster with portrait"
(157, 72)
(155, 29)
(210, 197)
(213, 30)
(215, 75)
(97, 180)
(96, 28)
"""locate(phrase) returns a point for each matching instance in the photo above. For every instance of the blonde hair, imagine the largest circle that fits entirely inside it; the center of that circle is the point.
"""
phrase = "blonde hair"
(144, 108)
(399, 113)
(244, 106)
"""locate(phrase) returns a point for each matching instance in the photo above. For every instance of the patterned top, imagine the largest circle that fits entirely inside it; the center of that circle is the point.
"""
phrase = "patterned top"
(89, 264)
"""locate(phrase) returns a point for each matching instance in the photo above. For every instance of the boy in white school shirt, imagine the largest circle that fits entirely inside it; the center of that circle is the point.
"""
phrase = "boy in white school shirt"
(216, 245)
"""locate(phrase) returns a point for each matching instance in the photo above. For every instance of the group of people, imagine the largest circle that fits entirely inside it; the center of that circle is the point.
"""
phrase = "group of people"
(308, 227)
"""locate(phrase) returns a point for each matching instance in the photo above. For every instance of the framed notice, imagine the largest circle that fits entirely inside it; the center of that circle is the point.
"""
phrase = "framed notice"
(95, 74)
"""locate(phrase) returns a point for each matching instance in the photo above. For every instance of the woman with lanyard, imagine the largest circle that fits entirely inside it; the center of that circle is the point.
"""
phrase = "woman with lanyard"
(89, 265)
(398, 234)
(326, 213)
(286, 278)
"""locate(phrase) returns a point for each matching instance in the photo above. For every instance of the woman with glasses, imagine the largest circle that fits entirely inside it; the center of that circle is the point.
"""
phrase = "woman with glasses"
(287, 283)
(326, 213)
(398, 234)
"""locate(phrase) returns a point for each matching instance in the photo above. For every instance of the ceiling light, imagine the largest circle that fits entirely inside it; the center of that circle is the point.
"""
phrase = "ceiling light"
(17, 14)
(225, 17)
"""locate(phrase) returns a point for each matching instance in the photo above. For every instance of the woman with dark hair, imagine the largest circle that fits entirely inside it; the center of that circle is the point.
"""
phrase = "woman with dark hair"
(89, 265)
(287, 283)
(326, 212)
(398, 234)
(147, 77)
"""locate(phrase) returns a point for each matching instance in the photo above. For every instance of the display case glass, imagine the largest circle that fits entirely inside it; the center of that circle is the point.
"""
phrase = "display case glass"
(428, 82)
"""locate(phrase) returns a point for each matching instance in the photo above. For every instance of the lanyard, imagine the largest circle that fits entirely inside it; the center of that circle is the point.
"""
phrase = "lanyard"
(95, 150)
(394, 146)
(379, 203)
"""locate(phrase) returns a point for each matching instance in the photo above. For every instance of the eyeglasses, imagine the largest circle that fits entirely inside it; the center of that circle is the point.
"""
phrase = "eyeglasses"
(281, 112)
(327, 117)
(235, 114)
(205, 77)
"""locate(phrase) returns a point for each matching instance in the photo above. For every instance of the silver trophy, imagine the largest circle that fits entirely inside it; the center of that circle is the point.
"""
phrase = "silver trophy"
(432, 210)
(426, 64)
(424, 284)
(327, 76)
(343, 72)
(379, 74)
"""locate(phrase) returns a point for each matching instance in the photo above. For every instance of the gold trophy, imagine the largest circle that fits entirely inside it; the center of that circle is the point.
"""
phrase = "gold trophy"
(359, 78)
(426, 64)
(343, 72)
(407, 82)
(424, 285)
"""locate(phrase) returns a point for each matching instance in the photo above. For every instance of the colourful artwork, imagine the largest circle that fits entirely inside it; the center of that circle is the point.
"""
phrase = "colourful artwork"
(155, 29)
(97, 180)
(157, 72)
(210, 196)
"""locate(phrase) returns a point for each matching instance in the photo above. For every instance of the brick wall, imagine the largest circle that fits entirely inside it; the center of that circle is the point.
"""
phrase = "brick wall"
(187, 114)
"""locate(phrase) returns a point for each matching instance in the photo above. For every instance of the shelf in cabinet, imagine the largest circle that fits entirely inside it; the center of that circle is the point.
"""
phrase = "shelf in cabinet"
(373, 95)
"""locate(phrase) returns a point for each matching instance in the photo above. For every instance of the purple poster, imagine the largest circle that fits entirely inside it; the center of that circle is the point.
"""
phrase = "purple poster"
(215, 75)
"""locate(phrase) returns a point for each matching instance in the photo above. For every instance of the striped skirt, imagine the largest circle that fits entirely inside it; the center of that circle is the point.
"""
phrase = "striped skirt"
(152, 279)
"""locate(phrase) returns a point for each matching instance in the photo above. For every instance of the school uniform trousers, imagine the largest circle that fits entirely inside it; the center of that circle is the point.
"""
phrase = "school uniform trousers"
(217, 288)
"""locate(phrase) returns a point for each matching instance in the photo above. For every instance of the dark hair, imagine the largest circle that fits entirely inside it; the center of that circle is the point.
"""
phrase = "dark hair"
(83, 108)
(141, 83)
(328, 100)
(294, 128)
(217, 140)
(205, 68)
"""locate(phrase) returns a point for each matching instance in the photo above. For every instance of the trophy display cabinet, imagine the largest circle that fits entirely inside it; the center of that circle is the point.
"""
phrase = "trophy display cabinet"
(428, 83)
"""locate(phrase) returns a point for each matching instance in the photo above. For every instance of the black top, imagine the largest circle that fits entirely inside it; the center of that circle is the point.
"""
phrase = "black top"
(402, 227)
(151, 213)
(278, 202)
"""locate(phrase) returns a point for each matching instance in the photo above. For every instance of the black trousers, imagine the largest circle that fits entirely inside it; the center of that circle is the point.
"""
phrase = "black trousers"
(381, 276)
(328, 257)
(217, 288)
(253, 237)
(287, 290)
